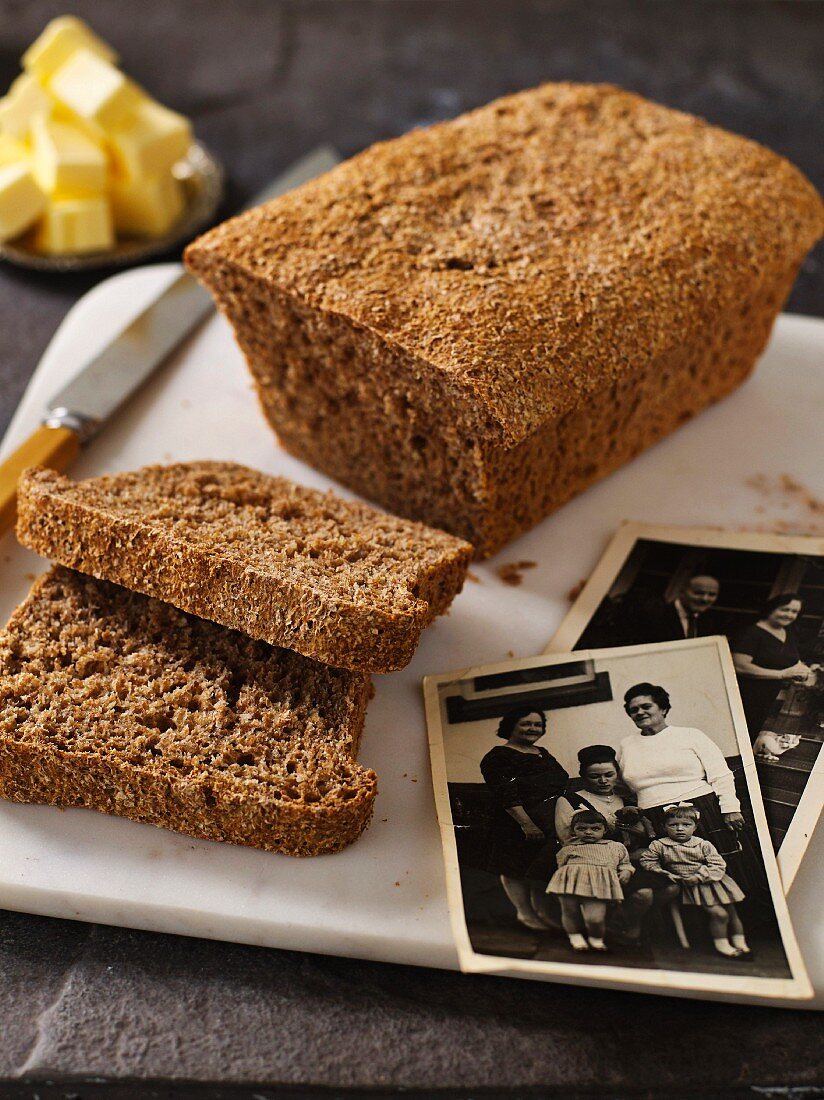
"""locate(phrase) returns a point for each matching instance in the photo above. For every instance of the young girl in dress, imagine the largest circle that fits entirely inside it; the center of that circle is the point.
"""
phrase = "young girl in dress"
(696, 866)
(590, 872)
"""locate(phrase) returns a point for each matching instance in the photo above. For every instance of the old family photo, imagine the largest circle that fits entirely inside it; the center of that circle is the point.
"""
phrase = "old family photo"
(600, 814)
(765, 594)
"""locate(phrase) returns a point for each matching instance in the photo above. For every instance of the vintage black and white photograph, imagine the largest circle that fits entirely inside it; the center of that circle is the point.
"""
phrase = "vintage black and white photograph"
(765, 594)
(601, 821)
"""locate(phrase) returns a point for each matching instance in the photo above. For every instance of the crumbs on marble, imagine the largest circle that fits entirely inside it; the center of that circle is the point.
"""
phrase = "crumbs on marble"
(788, 493)
(512, 572)
(470, 576)
(810, 501)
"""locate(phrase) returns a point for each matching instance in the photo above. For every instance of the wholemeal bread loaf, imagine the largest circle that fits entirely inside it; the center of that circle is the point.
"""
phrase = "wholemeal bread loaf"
(121, 703)
(335, 580)
(473, 322)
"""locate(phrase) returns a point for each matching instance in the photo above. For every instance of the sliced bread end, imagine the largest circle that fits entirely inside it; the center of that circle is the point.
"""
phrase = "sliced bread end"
(120, 703)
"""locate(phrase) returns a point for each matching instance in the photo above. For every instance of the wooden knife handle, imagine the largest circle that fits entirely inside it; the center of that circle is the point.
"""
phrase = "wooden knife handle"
(56, 448)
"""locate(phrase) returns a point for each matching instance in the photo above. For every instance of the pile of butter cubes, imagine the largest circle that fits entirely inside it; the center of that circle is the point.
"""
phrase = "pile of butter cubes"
(85, 154)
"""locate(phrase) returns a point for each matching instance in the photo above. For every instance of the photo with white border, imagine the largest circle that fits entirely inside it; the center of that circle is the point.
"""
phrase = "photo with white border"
(555, 788)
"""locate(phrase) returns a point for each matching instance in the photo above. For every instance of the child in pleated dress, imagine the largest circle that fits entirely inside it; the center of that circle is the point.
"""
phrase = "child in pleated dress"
(591, 870)
(695, 864)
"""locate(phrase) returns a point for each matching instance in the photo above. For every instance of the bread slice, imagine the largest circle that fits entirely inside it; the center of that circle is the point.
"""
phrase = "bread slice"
(120, 703)
(335, 580)
(471, 323)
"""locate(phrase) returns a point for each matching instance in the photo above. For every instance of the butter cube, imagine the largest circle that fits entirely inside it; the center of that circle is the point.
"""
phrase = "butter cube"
(21, 200)
(90, 129)
(149, 141)
(58, 42)
(66, 159)
(94, 90)
(23, 102)
(12, 151)
(147, 207)
(76, 225)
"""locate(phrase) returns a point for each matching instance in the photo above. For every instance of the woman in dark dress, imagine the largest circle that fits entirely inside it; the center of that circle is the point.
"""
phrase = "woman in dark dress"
(524, 782)
(766, 659)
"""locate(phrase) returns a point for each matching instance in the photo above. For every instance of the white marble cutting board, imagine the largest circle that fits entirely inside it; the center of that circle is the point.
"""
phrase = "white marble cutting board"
(384, 898)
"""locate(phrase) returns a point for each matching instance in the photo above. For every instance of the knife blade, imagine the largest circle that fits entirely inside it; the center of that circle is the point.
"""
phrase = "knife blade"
(77, 412)
(107, 380)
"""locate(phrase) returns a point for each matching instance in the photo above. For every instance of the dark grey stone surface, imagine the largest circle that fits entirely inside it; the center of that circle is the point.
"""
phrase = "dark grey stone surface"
(118, 1003)
(266, 81)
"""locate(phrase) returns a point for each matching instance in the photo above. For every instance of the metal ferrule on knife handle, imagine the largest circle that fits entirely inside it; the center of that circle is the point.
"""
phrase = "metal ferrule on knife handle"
(55, 446)
(84, 427)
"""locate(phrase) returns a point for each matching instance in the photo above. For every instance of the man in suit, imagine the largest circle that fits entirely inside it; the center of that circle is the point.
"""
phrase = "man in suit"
(638, 621)
(662, 621)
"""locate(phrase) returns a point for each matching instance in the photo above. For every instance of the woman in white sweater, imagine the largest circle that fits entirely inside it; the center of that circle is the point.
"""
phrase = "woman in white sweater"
(662, 764)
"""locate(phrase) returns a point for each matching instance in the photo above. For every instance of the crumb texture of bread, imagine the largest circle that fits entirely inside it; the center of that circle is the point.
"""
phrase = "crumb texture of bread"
(335, 580)
(473, 322)
(120, 703)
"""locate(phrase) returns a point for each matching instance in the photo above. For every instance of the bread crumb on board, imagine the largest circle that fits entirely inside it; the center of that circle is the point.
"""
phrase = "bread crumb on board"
(576, 590)
(512, 573)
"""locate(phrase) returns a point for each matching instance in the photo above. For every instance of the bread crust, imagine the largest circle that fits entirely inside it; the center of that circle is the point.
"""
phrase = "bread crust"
(468, 291)
(331, 579)
(123, 704)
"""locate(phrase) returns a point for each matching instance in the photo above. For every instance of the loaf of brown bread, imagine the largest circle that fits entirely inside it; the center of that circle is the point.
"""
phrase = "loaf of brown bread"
(333, 579)
(473, 322)
(120, 703)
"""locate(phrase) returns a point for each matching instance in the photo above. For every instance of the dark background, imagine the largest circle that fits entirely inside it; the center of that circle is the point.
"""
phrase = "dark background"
(264, 82)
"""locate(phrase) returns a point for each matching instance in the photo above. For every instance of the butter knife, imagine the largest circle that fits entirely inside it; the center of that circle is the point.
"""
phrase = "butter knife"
(77, 412)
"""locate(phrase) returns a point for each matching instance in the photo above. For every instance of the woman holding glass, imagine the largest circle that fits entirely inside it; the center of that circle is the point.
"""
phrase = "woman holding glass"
(766, 659)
